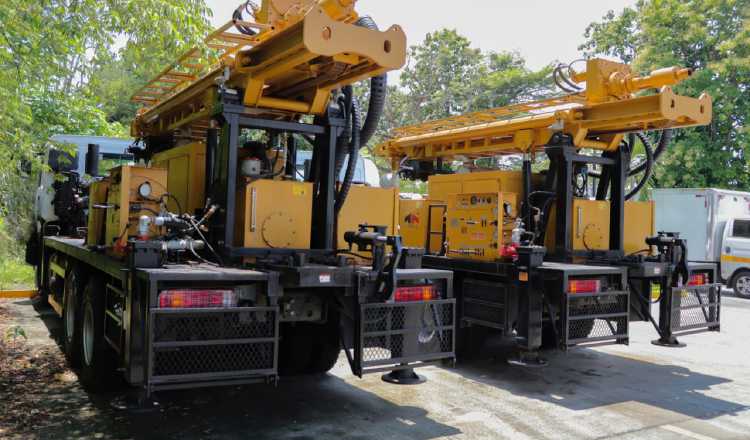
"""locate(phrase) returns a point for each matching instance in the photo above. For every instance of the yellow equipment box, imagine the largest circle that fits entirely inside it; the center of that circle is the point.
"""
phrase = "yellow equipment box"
(274, 214)
(96, 227)
(374, 206)
(590, 217)
(187, 175)
(127, 201)
(479, 224)
(442, 185)
(591, 225)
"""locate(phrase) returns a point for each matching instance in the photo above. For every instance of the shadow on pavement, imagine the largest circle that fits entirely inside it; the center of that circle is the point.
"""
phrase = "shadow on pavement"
(583, 378)
(299, 408)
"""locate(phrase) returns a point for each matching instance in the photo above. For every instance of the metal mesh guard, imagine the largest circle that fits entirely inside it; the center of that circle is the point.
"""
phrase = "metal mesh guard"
(597, 318)
(695, 307)
(407, 332)
(213, 343)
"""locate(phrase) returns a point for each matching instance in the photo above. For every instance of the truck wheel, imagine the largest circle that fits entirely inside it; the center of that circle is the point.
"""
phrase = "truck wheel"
(549, 341)
(41, 294)
(97, 359)
(295, 348)
(327, 346)
(71, 322)
(741, 284)
(470, 341)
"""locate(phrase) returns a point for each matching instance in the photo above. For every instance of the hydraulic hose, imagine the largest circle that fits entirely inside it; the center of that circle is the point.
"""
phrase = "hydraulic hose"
(354, 138)
(342, 144)
(652, 155)
(648, 167)
(351, 165)
(378, 91)
(248, 7)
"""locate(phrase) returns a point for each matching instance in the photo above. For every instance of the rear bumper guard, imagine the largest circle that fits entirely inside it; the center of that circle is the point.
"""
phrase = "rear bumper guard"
(194, 347)
(695, 308)
(596, 318)
(392, 336)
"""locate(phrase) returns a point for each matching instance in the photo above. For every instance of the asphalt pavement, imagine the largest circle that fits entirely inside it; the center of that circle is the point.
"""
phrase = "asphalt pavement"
(640, 391)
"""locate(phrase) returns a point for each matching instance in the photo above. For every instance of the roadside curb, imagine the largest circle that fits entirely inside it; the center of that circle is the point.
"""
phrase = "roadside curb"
(7, 294)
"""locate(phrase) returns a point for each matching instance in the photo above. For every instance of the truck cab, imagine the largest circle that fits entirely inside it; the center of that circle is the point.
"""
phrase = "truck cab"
(60, 201)
(716, 225)
(735, 255)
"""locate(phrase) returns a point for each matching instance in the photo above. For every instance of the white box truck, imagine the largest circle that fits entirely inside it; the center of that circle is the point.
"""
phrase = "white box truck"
(716, 224)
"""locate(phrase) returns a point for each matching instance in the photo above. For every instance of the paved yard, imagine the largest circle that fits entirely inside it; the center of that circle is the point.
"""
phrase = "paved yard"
(623, 392)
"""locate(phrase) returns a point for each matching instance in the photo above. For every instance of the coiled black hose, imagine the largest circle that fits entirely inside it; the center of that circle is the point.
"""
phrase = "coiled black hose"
(351, 165)
(378, 92)
(354, 138)
(248, 6)
(647, 167)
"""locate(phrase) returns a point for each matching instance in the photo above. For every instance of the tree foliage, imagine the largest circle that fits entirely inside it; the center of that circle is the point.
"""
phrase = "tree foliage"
(70, 66)
(445, 76)
(712, 37)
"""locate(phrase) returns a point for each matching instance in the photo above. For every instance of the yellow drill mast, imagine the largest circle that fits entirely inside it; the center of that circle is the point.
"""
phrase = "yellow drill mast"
(596, 118)
(287, 61)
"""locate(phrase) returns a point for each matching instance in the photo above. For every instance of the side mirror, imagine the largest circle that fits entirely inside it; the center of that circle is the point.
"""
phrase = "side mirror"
(92, 160)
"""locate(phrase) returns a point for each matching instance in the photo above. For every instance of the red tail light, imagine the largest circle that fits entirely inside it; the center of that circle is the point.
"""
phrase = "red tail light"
(197, 299)
(415, 293)
(584, 286)
(698, 279)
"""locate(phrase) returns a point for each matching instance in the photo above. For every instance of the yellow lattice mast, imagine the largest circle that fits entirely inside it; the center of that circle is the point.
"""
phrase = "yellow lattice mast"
(596, 117)
(282, 64)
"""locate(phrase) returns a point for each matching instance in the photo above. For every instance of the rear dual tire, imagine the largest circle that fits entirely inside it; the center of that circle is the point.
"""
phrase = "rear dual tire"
(71, 322)
(309, 348)
(97, 359)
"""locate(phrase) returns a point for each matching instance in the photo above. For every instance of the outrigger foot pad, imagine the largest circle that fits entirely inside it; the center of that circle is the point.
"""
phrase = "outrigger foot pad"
(403, 377)
(668, 342)
(528, 359)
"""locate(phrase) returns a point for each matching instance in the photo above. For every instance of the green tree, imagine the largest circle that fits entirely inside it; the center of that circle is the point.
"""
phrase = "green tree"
(70, 66)
(713, 37)
(441, 75)
(507, 80)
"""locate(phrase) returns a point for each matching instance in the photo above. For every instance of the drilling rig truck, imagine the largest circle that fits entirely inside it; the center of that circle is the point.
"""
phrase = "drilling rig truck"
(209, 260)
(558, 254)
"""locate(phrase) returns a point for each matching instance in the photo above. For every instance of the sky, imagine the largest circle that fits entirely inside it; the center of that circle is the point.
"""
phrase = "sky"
(542, 31)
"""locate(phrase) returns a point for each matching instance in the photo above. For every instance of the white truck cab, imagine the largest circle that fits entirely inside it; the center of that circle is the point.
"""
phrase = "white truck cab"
(716, 224)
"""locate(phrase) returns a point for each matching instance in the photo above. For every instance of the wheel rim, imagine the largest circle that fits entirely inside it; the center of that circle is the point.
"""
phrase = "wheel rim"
(70, 315)
(88, 335)
(743, 285)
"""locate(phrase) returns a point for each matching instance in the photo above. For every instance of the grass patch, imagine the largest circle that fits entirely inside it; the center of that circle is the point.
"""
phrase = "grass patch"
(15, 274)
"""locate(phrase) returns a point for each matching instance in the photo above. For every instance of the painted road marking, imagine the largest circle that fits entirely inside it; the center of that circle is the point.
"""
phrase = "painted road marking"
(685, 432)
(17, 293)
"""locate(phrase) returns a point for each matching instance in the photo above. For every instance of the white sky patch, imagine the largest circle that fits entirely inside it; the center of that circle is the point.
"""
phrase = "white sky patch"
(542, 31)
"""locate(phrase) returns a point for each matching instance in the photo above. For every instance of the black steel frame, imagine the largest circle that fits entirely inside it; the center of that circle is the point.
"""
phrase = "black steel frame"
(563, 157)
(221, 172)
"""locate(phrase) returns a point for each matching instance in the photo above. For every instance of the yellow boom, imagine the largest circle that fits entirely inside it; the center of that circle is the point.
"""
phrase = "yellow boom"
(296, 54)
(597, 117)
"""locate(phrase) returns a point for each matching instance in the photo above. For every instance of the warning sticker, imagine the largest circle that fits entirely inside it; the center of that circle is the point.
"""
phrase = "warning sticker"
(299, 189)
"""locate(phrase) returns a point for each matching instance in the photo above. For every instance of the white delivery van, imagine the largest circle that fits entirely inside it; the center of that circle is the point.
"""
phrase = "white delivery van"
(716, 224)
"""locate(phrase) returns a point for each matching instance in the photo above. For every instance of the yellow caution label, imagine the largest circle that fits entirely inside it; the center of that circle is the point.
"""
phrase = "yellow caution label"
(655, 291)
(299, 189)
